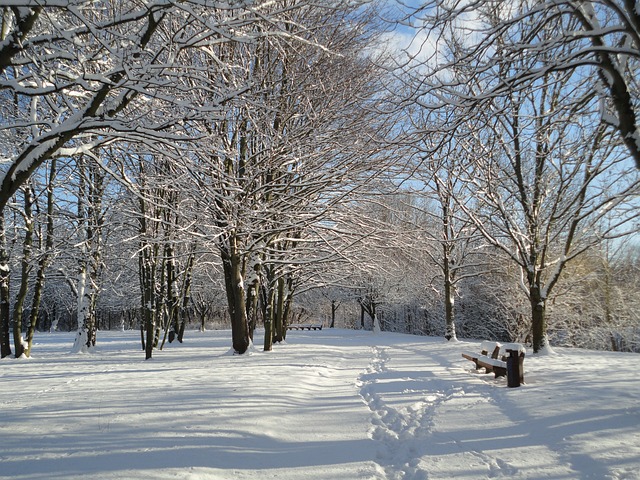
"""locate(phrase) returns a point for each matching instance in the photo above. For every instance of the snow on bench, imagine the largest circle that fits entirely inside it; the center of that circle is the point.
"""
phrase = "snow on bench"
(305, 326)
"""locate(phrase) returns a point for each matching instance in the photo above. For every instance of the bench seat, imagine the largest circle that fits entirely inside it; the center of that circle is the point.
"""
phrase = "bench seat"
(498, 367)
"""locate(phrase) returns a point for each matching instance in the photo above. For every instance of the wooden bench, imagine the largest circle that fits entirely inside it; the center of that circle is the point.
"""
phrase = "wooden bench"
(495, 358)
(305, 326)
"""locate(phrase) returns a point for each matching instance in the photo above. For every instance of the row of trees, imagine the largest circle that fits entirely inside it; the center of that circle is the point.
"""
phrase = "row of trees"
(231, 128)
(594, 304)
(266, 149)
(526, 114)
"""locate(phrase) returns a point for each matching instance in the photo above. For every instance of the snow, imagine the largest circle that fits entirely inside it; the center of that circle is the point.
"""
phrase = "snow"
(518, 347)
(636, 137)
(329, 404)
(488, 346)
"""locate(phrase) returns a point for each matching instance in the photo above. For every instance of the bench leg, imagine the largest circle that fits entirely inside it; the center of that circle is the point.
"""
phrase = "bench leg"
(499, 372)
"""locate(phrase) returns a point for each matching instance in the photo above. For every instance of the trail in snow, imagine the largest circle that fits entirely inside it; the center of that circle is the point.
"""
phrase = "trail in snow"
(404, 420)
(326, 405)
(398, 430)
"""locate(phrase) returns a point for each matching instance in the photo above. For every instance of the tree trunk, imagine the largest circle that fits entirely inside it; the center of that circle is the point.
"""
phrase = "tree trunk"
(93, 314)
(5, 305)
(334, 309)
(172, 291)
(449, 304)
(375, 324)
(448, 269)
(142, 336)
(202, 309)
(278, 321)
(232, 266)
(18, 308)
(148, 304)
(147, 273)
(149, 331)
(252, 307)
(186, 295)
(147, 265)
(202, 313)
(287, 307)
(253, 296)
(83, 286)
(95, 222)
(44, 261)
(538, 317)
(85, 322)
(163, 306)
(268, 310)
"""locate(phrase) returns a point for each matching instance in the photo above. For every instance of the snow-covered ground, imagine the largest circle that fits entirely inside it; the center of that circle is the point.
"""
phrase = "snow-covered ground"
(330, 404)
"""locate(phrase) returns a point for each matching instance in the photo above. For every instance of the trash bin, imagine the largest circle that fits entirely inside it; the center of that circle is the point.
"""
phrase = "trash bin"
(513, 368)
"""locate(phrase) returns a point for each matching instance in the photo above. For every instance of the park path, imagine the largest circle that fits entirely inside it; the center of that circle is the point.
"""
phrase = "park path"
(432, 418)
